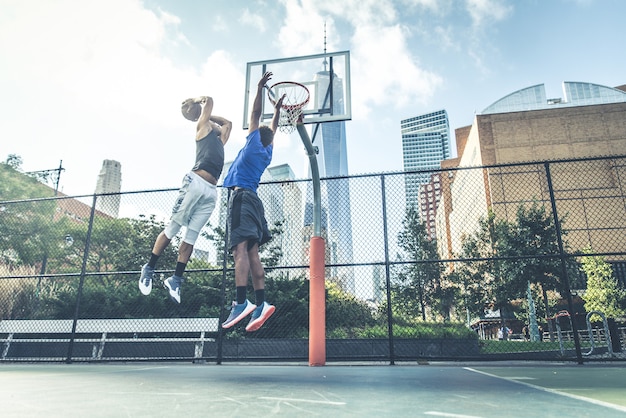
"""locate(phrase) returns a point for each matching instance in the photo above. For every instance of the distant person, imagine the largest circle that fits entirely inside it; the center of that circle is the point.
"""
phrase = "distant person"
(526, 332)
(247, 225)
(197, 195)
(504, 332)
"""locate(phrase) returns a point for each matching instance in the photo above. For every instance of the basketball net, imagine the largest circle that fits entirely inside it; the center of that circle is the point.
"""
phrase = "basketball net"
(289, 119)
(296, 97)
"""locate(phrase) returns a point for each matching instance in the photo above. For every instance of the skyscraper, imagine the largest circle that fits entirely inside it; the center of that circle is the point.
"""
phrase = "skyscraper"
(425, 143)
(330, 138)
(283, 204)
(109, 181)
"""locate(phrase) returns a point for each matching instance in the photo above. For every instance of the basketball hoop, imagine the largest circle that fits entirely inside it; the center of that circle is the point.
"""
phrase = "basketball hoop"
(296, 97)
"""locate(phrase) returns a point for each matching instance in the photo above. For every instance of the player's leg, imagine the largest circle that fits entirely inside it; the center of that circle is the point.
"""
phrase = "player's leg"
(197, 206)
(241, 307)
(161, 242)
(263, 310)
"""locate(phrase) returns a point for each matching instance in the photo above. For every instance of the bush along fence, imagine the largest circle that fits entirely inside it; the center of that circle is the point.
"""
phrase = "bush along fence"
(521, 261)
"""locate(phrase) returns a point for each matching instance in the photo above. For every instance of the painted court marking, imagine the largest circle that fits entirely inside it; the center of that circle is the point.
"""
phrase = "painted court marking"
(553, 391)
(271, 398)
(444, 414)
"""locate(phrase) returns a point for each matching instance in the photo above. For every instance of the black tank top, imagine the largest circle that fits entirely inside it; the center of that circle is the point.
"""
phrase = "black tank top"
(210, 154)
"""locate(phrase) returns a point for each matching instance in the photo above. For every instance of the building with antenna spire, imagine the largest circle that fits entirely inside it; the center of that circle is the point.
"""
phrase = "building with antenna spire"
(330, 138)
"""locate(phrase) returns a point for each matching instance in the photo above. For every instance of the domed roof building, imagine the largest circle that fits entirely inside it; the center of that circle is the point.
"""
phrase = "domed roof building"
(532, 149)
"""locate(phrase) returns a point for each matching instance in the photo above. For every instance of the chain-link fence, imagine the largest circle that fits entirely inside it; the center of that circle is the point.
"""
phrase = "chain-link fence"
(456, 264)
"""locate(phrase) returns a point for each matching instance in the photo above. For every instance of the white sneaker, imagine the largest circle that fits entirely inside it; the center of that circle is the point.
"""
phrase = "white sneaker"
(145, 281)
(173, 285)
(238, 312)
(259, 316)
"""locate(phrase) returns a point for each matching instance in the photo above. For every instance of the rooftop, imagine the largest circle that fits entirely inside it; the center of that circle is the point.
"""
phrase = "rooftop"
(574, 94)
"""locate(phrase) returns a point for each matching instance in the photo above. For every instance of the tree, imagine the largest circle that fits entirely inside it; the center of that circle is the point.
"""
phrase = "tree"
(421, 279)
(14, 161)
(532, 236)
(26, 226)
(533, 256)
(481, 278)
(116, 247)
(345, 312)
(531, 245)
(603, 293)
(505, 256)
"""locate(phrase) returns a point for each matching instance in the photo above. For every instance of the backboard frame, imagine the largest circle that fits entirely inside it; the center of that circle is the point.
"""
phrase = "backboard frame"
(326, 104)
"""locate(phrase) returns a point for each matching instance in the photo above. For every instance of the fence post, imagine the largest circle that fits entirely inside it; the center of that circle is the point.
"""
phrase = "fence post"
(392, 355)
(79, 292)
(220, 331)
(559, 238)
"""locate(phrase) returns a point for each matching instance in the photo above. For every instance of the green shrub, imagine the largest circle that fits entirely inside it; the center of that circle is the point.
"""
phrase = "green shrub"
(421, 330)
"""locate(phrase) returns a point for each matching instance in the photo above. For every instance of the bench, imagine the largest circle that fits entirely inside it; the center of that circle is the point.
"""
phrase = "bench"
(105, 339)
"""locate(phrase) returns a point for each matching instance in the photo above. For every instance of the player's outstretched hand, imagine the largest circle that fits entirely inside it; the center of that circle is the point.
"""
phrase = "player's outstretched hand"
(266, 77)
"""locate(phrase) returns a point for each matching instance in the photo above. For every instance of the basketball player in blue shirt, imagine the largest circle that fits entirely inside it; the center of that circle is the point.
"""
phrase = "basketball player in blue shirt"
(246, 216)
(197, 195)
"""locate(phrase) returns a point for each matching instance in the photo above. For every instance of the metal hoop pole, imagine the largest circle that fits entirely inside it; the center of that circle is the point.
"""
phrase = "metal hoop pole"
(317, 253)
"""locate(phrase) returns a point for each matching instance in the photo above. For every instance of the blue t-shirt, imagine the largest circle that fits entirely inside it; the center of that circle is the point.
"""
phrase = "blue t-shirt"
(249, 164)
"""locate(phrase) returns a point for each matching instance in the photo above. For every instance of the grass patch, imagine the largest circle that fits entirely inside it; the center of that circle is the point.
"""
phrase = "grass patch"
(497, 346)
(420, 330)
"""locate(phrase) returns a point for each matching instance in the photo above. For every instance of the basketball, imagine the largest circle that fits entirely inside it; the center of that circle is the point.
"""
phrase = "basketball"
(191, 110)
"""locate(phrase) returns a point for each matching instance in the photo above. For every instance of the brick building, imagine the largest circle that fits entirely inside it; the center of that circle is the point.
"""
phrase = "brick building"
(590, 121)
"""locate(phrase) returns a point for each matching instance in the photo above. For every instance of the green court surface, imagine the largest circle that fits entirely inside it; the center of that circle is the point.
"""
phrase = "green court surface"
(595, 383)
(295, 390)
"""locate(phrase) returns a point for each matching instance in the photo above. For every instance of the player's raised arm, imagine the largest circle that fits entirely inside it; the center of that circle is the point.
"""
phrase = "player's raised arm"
(276, 116)
(204, 126)
(257, 107)
(224, 126)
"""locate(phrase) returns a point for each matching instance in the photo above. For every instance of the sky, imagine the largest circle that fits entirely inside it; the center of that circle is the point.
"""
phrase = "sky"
(82, 81)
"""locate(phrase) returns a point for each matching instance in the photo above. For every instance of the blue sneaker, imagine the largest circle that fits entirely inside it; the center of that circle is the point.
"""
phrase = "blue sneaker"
(145, 281)
(238, 312)
(259, 316)
(173, 285)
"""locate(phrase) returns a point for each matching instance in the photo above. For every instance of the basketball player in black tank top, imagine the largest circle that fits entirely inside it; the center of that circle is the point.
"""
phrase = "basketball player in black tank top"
(197, 196)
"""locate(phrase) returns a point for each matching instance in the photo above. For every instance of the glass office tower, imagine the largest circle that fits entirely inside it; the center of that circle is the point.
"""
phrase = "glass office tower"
(425, 143)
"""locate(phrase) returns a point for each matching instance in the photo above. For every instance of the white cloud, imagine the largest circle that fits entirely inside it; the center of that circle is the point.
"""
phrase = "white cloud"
(87, 81)
(372, 12)
(445, 38)
(251, 19)
(302, 32)
(87, 53)
(482, 11)
(484, 14)
(432, 5)
(384, 70)
(219, 24)
(173, 22)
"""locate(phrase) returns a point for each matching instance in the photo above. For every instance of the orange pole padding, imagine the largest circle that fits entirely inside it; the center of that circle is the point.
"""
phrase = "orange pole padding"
(317, 304)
